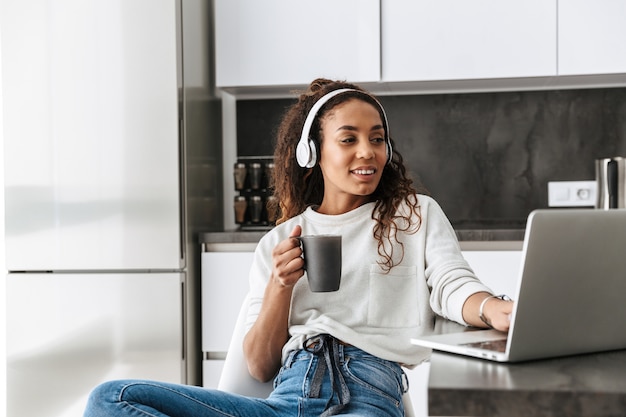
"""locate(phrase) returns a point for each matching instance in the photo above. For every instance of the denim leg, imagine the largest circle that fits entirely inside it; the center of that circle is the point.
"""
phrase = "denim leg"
(375, 386)
(139, 398)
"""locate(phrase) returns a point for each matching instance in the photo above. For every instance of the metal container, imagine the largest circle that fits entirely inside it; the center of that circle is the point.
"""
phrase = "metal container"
(256, 208)
(240, 172)
(255, 173)
(611, 182)
(273, 210)
(240, 209)
(269, 174)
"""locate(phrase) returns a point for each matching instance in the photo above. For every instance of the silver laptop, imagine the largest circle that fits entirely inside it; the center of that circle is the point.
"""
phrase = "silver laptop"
(571, 294)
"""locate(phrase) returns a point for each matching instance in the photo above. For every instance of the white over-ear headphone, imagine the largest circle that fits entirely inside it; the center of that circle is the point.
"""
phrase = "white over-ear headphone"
(306, 153)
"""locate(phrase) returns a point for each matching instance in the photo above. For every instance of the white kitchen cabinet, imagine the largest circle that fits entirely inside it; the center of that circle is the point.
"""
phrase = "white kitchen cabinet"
(266, 49)
(499, 270)
(224, 287)
(425, 40)
(591, 37)
(284, 42)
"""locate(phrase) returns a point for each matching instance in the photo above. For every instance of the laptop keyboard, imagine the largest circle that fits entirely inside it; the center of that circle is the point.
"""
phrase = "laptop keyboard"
(494, 345)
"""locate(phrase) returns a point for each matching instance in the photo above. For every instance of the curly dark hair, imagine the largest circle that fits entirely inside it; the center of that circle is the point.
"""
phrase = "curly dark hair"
(296, 188)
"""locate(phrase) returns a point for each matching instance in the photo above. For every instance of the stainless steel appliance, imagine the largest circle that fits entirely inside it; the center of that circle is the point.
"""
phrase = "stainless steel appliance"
(111, 136)
(611, 182)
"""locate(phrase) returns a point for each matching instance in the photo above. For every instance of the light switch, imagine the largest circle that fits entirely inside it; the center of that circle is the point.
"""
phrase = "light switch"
(572, 193)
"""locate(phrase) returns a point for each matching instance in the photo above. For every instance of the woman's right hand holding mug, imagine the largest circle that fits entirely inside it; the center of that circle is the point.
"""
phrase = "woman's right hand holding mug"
(287, 261)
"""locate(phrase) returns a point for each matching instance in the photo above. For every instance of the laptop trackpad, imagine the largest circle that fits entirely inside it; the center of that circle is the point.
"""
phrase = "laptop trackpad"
(492, 345)
(468, 338)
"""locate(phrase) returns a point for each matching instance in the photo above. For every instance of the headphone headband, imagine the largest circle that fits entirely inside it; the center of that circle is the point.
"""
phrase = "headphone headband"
(306, 154)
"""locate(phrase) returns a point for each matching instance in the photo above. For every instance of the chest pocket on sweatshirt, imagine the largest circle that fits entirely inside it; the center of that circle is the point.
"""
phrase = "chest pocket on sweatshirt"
(393, 297)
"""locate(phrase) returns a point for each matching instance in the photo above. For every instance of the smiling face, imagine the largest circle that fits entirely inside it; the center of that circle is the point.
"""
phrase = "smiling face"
(353, 155)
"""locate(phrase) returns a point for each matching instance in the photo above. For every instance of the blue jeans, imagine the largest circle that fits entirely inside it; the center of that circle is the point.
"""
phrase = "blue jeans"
(375, 389)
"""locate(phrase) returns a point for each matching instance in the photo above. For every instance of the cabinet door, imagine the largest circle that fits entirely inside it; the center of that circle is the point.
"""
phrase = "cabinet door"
(211, 372)
(224, 286)
(591, 37)
(499, 270)
(285, 42)
(459, 39)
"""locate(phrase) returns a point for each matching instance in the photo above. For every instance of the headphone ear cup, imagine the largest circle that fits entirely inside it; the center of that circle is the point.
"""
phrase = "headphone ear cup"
(313, 157)
(306, 154)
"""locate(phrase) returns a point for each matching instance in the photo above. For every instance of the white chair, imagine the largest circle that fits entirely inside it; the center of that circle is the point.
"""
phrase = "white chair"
(236, 378)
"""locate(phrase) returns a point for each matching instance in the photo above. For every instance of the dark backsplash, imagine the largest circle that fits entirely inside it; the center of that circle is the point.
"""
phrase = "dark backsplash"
(485, 157)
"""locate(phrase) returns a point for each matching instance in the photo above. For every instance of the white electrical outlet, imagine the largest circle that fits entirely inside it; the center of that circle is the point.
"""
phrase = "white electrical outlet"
(572, 193)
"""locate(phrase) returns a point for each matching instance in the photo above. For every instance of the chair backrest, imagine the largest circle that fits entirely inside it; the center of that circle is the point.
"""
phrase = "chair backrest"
(236, 378)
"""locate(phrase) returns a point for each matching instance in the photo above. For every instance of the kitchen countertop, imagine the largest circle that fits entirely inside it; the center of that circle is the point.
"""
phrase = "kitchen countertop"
(470, 239)
(582, 385)
(571, 386)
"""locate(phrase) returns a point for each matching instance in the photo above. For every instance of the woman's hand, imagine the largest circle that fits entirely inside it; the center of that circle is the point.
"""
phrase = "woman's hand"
(496, 312)
(287, 262)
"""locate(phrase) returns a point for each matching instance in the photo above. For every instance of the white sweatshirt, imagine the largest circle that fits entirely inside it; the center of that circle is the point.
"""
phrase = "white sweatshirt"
(375, 311)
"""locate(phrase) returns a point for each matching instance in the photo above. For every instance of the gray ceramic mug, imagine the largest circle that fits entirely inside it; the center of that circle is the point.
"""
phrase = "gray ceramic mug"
(322, 261)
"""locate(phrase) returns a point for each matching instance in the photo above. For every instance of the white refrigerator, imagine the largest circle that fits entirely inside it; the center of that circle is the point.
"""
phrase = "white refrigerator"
(109, 173)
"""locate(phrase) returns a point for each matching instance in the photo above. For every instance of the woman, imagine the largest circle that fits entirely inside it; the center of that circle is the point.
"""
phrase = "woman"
(336, 353)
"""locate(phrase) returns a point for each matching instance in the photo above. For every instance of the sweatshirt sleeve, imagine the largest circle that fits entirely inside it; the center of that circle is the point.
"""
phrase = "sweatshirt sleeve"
(450, 278)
